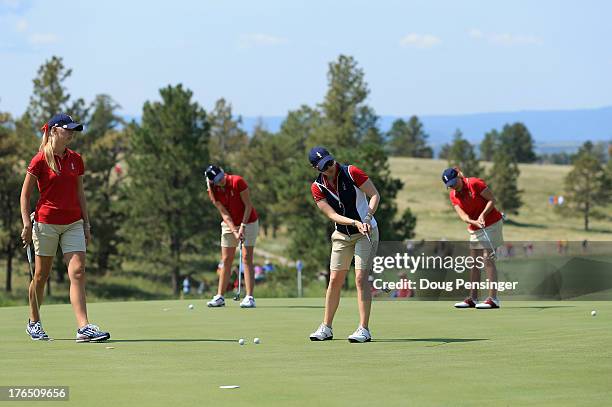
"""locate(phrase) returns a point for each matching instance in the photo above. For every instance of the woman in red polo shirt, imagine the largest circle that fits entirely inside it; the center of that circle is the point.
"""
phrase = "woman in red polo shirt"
(475, 204)
(60, 218)
(230, 195)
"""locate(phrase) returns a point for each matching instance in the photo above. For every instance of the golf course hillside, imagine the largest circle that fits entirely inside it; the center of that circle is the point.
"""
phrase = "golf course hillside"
(426, 196)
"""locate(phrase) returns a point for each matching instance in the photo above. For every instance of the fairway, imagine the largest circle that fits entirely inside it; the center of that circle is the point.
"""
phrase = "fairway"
(423, 354)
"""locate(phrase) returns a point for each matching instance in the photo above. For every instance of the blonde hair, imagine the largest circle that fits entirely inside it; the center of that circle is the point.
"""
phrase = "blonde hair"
(46, 146)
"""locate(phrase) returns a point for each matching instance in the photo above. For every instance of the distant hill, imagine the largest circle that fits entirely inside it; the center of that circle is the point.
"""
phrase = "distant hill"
(553, 130)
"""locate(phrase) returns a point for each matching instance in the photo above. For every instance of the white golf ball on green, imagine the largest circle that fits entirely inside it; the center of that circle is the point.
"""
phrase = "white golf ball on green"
(190, 306)
(241, 341)
(593, 313)
(256, 341)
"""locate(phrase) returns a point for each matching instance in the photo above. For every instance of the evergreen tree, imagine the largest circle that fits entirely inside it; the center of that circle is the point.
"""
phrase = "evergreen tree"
(165, 193)
(408, 139)
(503, 181)
(489, 145)
(226, 136)
(516, 140)
(587, 186)
(461, 154)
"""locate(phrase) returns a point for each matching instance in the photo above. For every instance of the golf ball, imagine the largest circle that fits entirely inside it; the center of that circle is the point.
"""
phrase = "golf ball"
(190, 306)
(593, 313)
(241, 341)
(256, 341)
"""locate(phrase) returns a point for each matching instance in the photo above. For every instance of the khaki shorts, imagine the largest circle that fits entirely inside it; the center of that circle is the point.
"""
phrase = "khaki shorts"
(478, 240)
(345, 247)
(250, 235)
(70, 237)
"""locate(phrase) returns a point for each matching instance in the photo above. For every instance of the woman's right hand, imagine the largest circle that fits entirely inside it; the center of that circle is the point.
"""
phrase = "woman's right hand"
(26, 235)
(364, 228)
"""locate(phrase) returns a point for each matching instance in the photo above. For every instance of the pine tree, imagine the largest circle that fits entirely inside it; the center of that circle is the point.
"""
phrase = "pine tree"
(489, 145)
(461, 154)
(408, 139)
(165, 214)
(587, 186)
(516, 140)
(503, 181)
(226, 137)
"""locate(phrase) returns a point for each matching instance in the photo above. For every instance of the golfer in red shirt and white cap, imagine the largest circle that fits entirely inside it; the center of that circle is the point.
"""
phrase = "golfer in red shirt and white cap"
(60, 218)
(475, 204)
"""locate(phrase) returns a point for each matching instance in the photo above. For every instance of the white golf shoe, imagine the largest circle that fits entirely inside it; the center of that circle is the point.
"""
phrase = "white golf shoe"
(217, 301)
(247, 302)
(360, 335)
(323, 333)
(489, 303)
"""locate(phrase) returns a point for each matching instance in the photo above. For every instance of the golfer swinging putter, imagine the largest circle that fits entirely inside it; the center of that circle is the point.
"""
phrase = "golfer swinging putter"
(475, 204)
(340, 192)
(60, 218)
(230, 195)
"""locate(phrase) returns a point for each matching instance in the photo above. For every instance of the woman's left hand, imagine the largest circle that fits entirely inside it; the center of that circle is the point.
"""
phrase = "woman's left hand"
(481, 221)
(87, 231)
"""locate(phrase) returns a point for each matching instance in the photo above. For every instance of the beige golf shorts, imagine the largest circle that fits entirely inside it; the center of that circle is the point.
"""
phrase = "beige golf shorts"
(71, 238)
(478, 239)
(345, 247)
(250, 235)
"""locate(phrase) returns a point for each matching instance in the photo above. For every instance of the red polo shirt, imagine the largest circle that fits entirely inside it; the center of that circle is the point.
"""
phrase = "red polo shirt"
(59, 201)
(472, 203)
(229, 197)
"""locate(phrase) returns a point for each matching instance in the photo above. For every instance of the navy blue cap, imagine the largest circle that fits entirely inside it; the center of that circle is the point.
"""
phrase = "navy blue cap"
(64, 121)
(214, 173)
(319, 156)
(450, 177)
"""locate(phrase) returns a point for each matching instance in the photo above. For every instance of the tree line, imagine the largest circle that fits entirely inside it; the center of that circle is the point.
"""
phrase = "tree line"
(145, 186)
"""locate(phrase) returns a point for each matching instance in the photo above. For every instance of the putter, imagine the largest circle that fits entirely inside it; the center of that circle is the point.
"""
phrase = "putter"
(387, 290)
(490, 243)
(237, 296)
(31, 265)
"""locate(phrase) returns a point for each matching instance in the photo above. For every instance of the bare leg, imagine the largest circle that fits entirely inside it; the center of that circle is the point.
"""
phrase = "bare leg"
(247, 262)
(332, 297)
(227, 257)
(42, 268)
(364, 297)
(76, 273)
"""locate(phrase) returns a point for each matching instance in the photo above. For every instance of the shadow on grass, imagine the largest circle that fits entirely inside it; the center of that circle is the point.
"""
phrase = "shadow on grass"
(170, 340)
(543, 307)
(439, 341)
(292, 306)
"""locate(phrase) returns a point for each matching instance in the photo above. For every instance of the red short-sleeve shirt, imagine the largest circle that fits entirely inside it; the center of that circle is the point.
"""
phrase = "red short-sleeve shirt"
(229, 197)
(59, 200)
(472, 203)
(358, 175)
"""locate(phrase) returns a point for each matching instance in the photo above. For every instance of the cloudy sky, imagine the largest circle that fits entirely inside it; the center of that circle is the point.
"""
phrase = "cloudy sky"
(268, 57)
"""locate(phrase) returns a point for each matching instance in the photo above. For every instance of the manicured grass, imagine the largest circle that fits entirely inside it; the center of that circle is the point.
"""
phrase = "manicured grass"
(424, 354)
(426, 196)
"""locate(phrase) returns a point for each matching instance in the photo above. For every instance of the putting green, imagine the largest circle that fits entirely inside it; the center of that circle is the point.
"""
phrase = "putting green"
(423, 354)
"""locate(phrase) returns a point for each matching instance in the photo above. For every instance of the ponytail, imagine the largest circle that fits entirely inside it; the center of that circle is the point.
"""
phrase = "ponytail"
(46, 146)
(211, 194)
(459, 173)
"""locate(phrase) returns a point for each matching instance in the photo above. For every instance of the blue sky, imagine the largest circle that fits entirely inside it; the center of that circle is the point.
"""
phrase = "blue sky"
(269, 57)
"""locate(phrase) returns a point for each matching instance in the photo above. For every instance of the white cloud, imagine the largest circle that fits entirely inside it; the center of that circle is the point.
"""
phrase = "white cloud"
(261, 40)
(505, 39)
(42, 39)
(420, 40)
(475, 33)
(21, 25)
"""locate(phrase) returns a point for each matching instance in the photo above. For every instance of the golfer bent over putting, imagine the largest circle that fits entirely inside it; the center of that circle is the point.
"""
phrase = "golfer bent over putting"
(230, 195)
(475, 204)
(341, 192)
